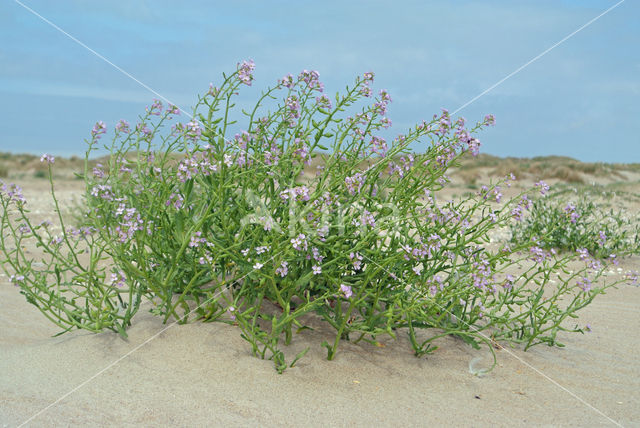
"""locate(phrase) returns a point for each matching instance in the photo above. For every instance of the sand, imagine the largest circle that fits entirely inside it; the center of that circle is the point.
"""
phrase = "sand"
(204, 374)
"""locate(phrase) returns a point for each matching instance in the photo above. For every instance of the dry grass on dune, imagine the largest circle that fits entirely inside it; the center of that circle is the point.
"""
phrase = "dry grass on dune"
(20, 165)
(561, 168)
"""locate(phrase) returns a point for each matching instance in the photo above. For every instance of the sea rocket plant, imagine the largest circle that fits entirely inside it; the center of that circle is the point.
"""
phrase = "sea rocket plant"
(205, 225)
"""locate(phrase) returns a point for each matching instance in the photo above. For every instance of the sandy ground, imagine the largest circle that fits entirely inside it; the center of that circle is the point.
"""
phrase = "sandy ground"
(204, 375)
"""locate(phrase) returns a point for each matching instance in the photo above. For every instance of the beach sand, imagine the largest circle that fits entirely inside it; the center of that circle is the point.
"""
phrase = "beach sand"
(203, 374)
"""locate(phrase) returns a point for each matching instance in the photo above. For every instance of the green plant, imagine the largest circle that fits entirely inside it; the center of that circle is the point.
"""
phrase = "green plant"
(579, 224)
(215, 228)
(40, 174)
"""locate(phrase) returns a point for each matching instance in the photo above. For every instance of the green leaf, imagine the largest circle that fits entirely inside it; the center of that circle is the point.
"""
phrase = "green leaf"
(326, 345)
(298, 356)
(301, 282)
(122, 332)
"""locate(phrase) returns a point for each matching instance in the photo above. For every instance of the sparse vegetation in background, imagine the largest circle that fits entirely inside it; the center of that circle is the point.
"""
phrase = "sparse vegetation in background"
(40, 173)
(569, 221)
(546, 168)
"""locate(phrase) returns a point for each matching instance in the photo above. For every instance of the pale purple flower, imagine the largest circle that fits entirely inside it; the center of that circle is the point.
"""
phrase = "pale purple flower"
(283, 269)
(47, 158)
(14, 192)
(196, 240)
(258, 266)
(311, 79)
(489, 120)
(293, 105)
(193, 130)
(517, 213)
(384, 95)
(474, 146)
(130, 223)
(176, 200)
(525, 202)
(380, 108)
(508, 283)
(245, 72)
(603, 238)
(356, 260)
(368, 219)
(323, 231)
(144, 131)
(287, 81)
(155, 108)
(497, 194)
(584, 284)
(633, 277)
(544, 187)
(300, 193)
(16, 280)
(324, 102)
(538, 255)
(123, 126)
(379, 146)
(317, 270)
(299, 242)
(102, 191)
(482, 311)
(346, 290)
(354, 183)
(98, 172)
(213, 91)
(177, 128)
(171, 109)
(570, 209)
(98, 129)
(231, 310)
(594, 264)
(366, 91)
(118, 279)
(262, 249)
(316, 254)
(583, 253)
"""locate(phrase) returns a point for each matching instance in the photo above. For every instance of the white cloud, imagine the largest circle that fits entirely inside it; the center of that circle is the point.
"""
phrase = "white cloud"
(65, 89)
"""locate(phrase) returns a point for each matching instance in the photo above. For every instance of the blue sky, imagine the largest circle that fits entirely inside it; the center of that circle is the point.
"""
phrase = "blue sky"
(582, 99)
